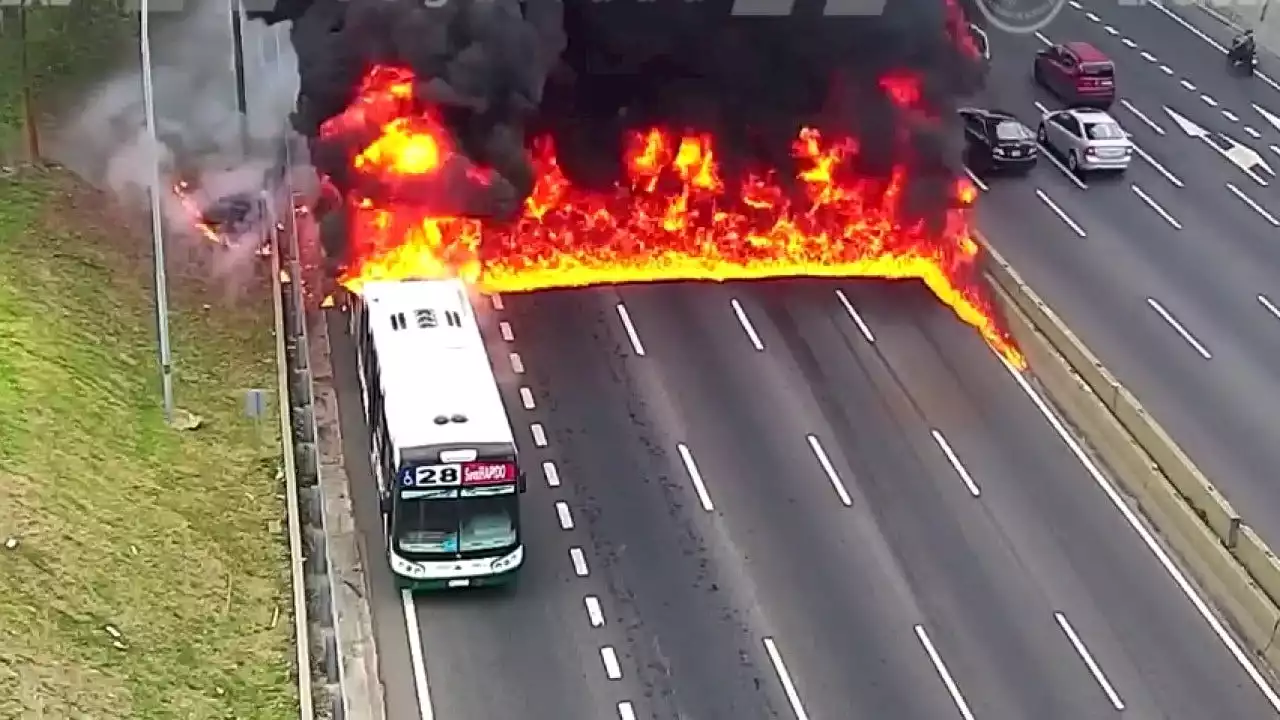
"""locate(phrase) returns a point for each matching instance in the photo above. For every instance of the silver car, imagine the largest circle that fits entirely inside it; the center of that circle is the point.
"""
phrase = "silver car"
(1087, 139)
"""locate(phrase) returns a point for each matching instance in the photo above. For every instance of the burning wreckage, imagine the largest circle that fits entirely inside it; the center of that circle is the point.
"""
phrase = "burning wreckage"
(540, 144)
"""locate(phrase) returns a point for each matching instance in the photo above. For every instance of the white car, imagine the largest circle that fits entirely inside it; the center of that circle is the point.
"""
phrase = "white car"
(1086, 139)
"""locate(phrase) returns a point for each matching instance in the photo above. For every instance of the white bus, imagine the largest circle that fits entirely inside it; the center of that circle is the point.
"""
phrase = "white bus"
(443, 451)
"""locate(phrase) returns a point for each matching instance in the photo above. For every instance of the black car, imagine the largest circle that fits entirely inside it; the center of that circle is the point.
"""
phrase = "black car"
(996, 140)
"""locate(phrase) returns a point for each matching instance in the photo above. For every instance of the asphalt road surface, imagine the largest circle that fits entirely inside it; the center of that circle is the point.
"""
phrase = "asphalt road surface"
(765, 505)
(1170, 272)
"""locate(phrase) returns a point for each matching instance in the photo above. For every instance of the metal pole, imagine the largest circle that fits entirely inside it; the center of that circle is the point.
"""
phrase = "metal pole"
(237, 64)
(157, 218)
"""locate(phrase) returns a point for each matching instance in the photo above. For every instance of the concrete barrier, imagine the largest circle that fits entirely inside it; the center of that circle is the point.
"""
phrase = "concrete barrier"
(1231, 563)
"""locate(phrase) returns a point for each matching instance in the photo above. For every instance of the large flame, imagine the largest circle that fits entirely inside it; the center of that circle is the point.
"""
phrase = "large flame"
(675, 218)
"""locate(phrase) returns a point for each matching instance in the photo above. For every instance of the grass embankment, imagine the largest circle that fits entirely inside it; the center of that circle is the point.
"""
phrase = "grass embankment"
(143, 572)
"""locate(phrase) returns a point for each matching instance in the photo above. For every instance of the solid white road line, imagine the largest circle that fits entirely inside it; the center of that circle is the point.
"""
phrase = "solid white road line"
(551, 473)
(1089, 662)
(1168, 317)
(416, 657)
(526, 398)
(1270, 306)
(579, 560)
(626, 711)
(1156, 164)
(1141, 116)
(539, 435)
(517, 363)
(1162, 556)
(745, 322)
(691, 467)
(505, 328)
(1058, 211)
(496, 299)
(952, 688)
(976, 180)
(594, 612)
(1253, 204)
(955, 463)
(1194, 30)
(825, 462)
(612, 669)
(564, 515)
(784, 676)
(857, 319)
(631, 330)
(1155, 206)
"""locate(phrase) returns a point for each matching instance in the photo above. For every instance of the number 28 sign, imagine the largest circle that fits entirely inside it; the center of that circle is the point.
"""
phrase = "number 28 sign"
(455, 474)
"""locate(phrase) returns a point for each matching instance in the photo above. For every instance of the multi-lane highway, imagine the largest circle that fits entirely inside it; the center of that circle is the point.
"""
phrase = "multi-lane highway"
(798, 499)
(1172, 272)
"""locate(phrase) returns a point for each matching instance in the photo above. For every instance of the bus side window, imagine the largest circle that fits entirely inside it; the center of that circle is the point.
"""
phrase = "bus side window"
(375, 392)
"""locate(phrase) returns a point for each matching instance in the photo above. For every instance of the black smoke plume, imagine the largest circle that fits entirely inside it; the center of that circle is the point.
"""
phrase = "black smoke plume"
(586, 70)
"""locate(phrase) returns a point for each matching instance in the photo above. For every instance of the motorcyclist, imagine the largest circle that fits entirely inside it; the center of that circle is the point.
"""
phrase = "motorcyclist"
(1243, 47)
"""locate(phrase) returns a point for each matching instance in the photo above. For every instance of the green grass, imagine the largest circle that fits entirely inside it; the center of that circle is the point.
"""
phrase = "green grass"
(170, 538)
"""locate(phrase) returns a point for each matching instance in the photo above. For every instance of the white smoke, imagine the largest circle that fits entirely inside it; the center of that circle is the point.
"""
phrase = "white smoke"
(205, 143)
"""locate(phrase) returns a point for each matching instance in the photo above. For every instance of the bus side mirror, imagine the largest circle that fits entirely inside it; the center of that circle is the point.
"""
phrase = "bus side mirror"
(384, 501)
(522, 483)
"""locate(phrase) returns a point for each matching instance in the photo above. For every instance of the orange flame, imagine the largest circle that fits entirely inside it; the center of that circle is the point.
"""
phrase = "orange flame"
(675, 218)
(182, 191)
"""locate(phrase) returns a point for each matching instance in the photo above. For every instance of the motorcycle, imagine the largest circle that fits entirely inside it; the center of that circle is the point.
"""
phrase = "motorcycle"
(1243, 60)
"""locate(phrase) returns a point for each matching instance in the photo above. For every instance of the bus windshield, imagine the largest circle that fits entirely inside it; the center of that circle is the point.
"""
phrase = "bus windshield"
(435, 522)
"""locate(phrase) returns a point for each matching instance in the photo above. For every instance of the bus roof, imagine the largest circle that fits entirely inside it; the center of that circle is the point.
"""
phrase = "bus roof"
(433, 364)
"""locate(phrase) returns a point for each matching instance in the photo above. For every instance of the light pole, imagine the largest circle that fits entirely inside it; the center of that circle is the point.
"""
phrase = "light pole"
(237, 68)
(157, 217)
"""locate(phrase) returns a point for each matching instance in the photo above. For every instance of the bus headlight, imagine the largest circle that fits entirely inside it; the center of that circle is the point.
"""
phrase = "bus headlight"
(400, 566)
(508, 562)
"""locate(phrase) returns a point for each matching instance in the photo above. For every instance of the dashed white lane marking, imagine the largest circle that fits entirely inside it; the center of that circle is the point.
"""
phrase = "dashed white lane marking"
(1253, 204)
(1177, 326)
(504, 327)
(564, 515)
(976, 180)
(691, 466)
(1142, 195)
(632, 335)
(517, 364)
(612, 669)
(1208, 100)
(1111, 31)
(1089, 662)
(1148, 57)
(1166, 69)
(526, 398)
(594, 612)
(626, 711)
(1093, 16)
(1075, 5)
(955, 463)
(1058, 211)
(1187, 84)
(1230, 115)
(1162, 556)
(825, 462)
(1155, 127)
(1252, 133)
(1040, 36)
(1129, 43)
(579, 560)
(857, 319)
(952, 688)
(539, 435)
(1156, 164)
(496, 299)
(416, 657)
(550, 472)
(745, 322)
(1270, 306)
(784, 677)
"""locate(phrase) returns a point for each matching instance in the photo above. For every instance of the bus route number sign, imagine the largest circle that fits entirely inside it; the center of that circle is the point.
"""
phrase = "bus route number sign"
(432, 476)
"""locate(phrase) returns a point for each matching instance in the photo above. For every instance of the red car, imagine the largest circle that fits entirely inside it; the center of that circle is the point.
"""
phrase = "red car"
(1078, 73)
